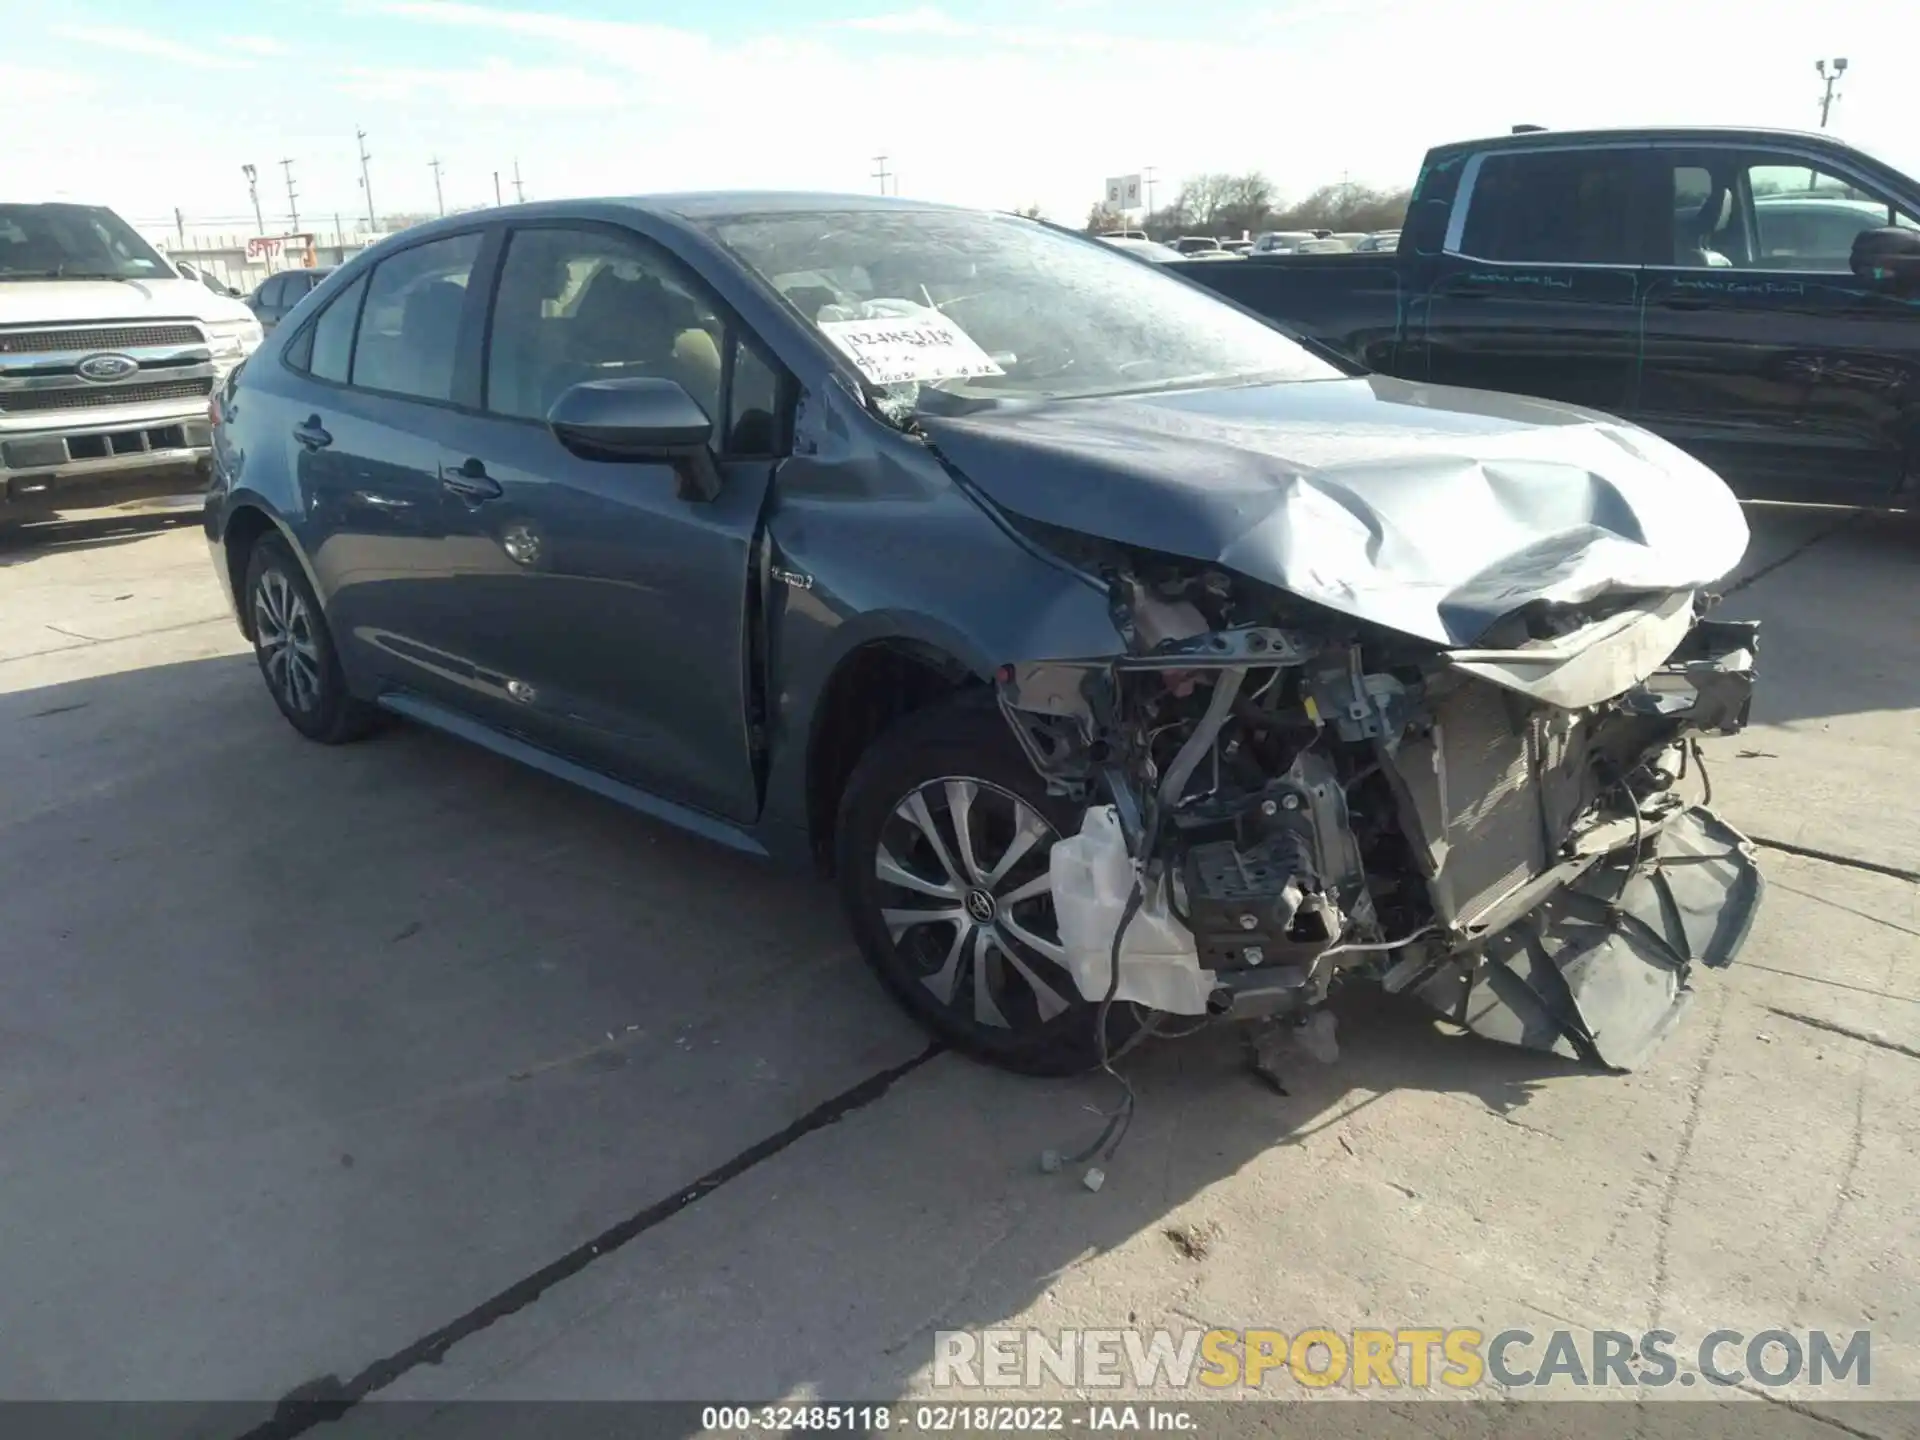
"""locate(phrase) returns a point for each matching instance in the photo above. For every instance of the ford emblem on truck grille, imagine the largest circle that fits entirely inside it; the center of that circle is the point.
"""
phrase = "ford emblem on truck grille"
(107, 367)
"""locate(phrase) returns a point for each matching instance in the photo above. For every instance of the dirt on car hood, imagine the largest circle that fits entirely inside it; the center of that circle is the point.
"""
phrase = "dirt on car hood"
(1426, 509)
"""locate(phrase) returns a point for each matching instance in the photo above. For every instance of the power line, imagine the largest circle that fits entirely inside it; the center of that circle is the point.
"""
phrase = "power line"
(1832, 77)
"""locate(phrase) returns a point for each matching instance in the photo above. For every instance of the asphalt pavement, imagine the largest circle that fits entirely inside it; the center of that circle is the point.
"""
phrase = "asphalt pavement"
(396, 1071)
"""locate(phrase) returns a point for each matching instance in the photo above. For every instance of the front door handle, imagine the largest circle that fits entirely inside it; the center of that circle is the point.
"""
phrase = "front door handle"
(312, 434)
(470, 481)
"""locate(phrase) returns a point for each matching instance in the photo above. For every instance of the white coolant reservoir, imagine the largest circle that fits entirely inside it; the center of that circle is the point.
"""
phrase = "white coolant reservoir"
(1093, 877)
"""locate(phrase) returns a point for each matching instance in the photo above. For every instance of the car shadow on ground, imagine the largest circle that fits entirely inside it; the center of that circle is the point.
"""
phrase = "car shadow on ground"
(453, 1018)
(38, 539)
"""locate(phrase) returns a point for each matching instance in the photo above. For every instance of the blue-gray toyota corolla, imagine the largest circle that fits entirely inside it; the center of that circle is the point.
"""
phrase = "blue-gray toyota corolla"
(1129, 663)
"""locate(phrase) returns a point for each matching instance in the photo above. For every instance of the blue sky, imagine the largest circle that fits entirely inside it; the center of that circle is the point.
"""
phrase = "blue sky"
(991, 102)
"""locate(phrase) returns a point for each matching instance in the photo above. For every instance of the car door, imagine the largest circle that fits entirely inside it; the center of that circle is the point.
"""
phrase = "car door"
(1764, 354)
(1537, 287)
(615, 610)
(382, 370)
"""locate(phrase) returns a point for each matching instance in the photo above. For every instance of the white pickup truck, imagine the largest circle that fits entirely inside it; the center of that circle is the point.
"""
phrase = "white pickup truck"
(108, 358)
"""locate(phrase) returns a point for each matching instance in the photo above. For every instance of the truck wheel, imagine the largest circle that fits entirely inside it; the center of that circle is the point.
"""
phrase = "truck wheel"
(941, 850)
(295, 650)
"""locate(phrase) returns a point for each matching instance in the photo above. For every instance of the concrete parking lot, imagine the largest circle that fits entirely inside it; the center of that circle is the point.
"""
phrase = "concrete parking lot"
(398, 1071)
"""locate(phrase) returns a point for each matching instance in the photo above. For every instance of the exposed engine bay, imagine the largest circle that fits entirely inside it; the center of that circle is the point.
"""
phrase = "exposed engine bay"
(1283, 799)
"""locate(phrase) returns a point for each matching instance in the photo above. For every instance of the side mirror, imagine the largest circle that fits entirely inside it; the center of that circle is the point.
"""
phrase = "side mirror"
(639, 417)
(1888, 257)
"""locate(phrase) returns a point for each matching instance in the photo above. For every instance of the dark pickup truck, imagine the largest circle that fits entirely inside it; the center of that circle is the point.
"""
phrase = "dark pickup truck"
(1751, 295)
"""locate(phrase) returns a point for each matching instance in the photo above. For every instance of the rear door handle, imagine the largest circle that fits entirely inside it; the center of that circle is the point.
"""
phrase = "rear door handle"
(312, 434)
(470, 481)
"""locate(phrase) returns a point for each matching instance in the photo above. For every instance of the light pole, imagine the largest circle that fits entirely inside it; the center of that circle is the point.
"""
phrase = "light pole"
(366, 180)
(253, 194)
(1832, 77)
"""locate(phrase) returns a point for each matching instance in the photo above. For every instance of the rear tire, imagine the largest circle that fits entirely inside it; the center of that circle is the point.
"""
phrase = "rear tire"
(295, 650)
(944, 817)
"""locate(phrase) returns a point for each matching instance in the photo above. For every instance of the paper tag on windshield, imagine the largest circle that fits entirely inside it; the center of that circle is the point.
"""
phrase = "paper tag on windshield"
(893, 350)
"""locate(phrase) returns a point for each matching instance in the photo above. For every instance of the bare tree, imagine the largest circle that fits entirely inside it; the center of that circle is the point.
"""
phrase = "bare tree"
(1100, 219)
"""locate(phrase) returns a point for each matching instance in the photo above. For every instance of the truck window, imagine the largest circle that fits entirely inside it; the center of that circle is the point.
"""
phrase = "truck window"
(1571, 207)
(1805, 219)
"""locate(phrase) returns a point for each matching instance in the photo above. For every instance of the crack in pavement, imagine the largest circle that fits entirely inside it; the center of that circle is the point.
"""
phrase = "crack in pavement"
(1834, 857)
(1865, 1037)
(1842, 1193)
(1670, 1193)
(1850, 909)
(328, 1398)
(1795, 553)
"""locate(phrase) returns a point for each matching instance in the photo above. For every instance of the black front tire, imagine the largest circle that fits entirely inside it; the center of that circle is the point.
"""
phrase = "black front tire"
(295, 650)
(960, 758)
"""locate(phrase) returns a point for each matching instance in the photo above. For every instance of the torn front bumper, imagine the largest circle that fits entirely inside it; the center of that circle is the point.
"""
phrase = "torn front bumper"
(1599, 971)
(1585, 950)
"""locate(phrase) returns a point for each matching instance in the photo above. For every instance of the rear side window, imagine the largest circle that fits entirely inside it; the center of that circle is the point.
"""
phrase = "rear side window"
(410, 324)
(332, 354)
(1572, 207)
(271, 292)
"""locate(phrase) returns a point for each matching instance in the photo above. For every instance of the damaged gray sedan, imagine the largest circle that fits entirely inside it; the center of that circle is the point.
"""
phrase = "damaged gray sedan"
(1130, 663)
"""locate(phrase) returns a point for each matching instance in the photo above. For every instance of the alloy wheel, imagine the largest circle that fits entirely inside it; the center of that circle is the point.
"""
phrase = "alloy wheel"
(968, 902)
(284, 631)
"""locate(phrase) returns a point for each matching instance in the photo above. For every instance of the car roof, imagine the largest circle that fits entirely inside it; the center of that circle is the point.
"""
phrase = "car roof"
(1627, 135)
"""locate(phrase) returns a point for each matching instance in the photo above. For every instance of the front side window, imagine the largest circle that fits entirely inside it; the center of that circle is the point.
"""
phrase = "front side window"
(944, 308)
(754, 405)
(73, 242)
(1568, 207)
(410, 325)
(1804, 219)
(578, 305)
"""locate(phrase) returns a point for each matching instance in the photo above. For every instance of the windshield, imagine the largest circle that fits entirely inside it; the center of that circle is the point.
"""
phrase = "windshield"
(936, 307)
(72, 242)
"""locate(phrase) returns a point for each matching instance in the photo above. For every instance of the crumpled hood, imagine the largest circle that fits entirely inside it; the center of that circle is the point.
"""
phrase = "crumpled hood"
(1430, 510)
(62, 302)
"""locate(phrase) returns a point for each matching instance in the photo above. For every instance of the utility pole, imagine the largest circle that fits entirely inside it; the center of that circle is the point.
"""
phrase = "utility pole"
(253, 193)
(1832, 77)
(366, 180)
(880, 173)
(438, 198)
(1147, 171)
(293, 199)
(519, 190)
(180, 226)
(496, 189)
